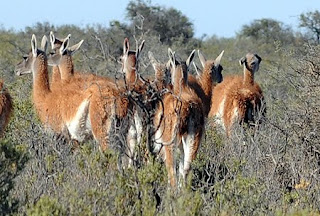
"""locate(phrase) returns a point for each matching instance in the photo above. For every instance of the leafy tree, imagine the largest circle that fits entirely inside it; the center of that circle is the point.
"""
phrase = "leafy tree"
(267, 30)
(311, 21)
(168, 24)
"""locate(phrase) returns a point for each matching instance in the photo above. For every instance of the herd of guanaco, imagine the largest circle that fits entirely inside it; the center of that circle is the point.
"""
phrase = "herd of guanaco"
(81, 105)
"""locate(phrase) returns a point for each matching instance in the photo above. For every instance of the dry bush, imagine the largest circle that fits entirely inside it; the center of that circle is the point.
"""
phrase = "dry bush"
(270, 169)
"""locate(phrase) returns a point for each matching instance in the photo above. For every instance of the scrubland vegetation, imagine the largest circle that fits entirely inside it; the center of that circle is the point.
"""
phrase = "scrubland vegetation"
(273, 169)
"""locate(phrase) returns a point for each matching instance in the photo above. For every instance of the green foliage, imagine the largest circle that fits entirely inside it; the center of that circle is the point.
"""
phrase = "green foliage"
(241, 194)
(169, 24)
(267, 30)
(47, 206)
(272, 169)
(12, 161)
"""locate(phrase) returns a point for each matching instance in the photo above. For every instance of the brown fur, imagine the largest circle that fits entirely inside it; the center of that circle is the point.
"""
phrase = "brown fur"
(129, 58)
(104, 86)
(239, 93)
(63, 65)
(56, 107)
(207, 80)
(181, 116)
(56, 76)
(6, 107)
(137, 88)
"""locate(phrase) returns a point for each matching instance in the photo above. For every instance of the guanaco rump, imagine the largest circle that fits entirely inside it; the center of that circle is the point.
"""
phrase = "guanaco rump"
(180, 121)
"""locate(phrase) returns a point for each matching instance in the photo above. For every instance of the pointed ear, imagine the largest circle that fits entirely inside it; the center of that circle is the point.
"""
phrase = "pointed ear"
(190, 58)
(44, 43)
(64, 45)
(34, 45)
(172, 58)
(153, 61)
(218, 59)
(139, 49)
(151, 57)
(258, 57)
(242, 60)
(75, 47)
(202, 58)
(52, 39)
(197, 69)
(126, 46)
(68, 37)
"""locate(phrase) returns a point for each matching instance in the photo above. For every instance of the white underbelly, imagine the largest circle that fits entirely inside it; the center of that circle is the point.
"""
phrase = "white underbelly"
(80, 126)
(219, 116)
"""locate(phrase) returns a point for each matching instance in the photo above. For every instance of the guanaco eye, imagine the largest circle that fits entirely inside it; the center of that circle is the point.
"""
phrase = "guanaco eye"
(25, 57)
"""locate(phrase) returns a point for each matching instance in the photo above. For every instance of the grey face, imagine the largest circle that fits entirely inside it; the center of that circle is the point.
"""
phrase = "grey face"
(251, 61)
(25, 66)
(54, 57)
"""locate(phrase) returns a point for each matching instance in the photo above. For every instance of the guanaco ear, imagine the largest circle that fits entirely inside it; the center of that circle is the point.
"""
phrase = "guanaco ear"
(52, 39)
(68, 37)
(202, 58)
(64, 45)
(218, 59)
(34, 45)
(190, 58)
(172, 58)
(44, 43)
(126, 46)
(197, 69)
(139, 49)
(242, 60)
(258, 57)
(153, 61)
(75, 47)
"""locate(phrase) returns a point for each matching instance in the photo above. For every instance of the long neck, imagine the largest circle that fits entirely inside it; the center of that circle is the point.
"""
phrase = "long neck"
(179, 80)
(41, 79)
(131, 76)
(66, 68)
(207, 86)
(133, 80)
(56, 76)
(248, 77)
(206, 81)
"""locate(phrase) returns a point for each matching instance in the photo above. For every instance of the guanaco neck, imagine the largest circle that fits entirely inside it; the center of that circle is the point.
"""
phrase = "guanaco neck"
(248, 76)
(206, 81)
(56, 76)
(180, 79)
(133, 80)
(41, 79)
(206, 85)
(66, 67)
(160, 83)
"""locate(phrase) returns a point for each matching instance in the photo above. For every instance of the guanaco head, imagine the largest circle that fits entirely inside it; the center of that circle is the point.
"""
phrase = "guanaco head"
(129, 58)
(162, 72)
(30, 62)
(179, 69)
(212, 66)
(251, 62)
(61, 50)
(55, 42)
